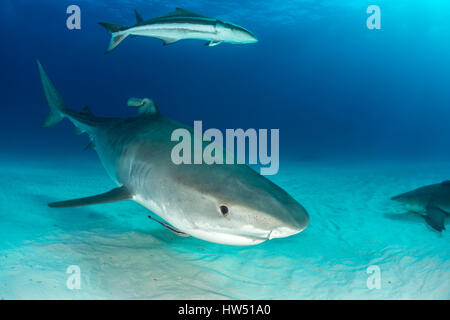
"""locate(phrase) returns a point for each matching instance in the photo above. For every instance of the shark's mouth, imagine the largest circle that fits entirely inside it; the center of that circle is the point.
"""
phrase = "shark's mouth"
(233, 239)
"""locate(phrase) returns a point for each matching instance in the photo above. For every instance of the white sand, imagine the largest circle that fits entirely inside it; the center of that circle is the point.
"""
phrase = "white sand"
(122, 254)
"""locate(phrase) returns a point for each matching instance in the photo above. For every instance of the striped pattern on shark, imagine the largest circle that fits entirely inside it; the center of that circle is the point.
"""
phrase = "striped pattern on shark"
(228, 204)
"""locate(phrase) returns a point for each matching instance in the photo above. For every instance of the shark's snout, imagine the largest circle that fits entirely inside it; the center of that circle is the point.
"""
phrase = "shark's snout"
(296, 222)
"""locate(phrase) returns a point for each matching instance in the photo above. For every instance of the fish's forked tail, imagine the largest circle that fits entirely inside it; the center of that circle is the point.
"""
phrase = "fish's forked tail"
(85, 121)
(118, 34)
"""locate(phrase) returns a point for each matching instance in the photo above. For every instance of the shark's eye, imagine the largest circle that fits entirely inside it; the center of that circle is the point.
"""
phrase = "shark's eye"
(224, 210)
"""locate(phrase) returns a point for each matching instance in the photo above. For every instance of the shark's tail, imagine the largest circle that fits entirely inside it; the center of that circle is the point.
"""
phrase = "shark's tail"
(54, 100)
(85, 121)
(118, 34)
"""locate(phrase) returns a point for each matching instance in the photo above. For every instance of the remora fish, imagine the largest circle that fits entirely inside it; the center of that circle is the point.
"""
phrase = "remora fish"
(178, 25)
(432, 202)
(226, 204)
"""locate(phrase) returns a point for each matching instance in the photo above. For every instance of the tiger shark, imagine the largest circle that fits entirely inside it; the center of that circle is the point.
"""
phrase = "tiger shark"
(432, 202)
(178, 25)
(227, 204)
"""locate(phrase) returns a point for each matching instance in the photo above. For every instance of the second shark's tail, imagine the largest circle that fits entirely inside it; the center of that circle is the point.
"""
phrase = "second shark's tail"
(118, 34)
(85, 121)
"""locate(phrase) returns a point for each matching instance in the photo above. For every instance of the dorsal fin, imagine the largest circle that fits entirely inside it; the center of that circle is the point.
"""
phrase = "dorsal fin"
(139, 18)
(87, 111)
(183, 12)
(180, 13)
(146, 106)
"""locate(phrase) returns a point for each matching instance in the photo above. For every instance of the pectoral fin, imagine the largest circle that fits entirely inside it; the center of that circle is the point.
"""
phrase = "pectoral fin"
(213, 43)
(167, 41)
(174, 230)
(114, 195)
(435, 218)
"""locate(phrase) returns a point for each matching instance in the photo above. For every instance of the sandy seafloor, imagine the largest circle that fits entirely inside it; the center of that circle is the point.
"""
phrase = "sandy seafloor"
(122, 254)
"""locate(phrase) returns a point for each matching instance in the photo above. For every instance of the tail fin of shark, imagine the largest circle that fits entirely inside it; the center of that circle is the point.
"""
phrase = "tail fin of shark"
(117, 36)
(54, 100)
(84, 121)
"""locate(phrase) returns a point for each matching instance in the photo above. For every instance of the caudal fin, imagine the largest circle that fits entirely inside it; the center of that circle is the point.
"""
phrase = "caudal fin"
(84, 121)
(54, 100)
(117, 34)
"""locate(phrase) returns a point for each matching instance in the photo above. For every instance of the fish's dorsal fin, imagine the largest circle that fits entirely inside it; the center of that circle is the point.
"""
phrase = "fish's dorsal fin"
(183, 12)
(117, 194)
(179, 12)
(87, 111)
(139, 18)
(176, 14)
(146, 106)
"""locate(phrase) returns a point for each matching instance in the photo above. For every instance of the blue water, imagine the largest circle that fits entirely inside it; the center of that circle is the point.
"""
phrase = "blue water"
(363, 115)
